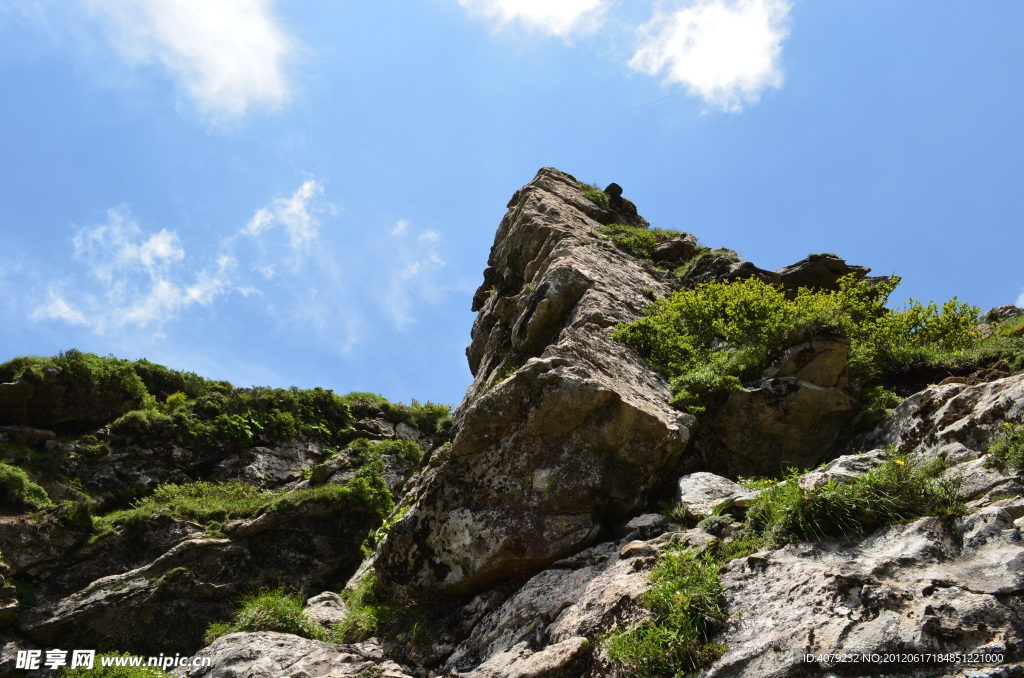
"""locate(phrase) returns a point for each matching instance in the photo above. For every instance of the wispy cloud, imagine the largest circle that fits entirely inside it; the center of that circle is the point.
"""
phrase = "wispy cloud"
(725, 51)
(143, 279)
(226, 55)
(414, 272)
(299, 216)
(1020, 299)
(560, 18)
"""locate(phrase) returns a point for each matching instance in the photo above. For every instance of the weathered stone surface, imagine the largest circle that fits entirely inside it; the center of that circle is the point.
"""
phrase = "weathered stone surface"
(544, 622)
(279, 655)
(966, 417)
(702, 492)
(563, 430)
(790, 418)
(674, 252)
(723, 268)
(326, 609)
(908, 588)
(820, 272)
(161, 596)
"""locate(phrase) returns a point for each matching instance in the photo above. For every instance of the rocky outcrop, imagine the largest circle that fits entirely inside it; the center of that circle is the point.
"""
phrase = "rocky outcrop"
(156, 587)
(563, 431)
(817, 272)
(53, 400)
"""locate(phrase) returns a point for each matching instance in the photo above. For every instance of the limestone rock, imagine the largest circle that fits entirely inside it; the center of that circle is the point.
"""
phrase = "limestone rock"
(724, 268)
(564, 430)
(326, 609)
(953, 418)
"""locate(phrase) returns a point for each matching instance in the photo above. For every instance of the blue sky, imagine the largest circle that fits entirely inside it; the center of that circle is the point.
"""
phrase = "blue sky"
(304, 193)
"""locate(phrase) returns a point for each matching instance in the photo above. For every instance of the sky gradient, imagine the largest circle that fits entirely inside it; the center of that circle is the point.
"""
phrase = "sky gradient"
(305, 193)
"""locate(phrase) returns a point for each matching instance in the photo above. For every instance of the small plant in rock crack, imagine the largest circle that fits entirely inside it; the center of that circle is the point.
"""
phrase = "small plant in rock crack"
(1008, 450)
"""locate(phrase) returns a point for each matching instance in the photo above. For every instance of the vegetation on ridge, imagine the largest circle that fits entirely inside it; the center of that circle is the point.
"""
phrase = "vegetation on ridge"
(712, 339)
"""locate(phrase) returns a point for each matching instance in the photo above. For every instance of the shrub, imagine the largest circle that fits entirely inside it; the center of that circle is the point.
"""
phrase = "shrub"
(176, 401)
(1008, 450)
(18, 488)
(685, 602)
(269, 610)
(201, 501)
(711, 339)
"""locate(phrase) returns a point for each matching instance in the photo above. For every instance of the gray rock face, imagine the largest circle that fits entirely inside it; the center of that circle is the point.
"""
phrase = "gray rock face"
(955, 419)
(791, 418)
(279, 655)
(563, 429)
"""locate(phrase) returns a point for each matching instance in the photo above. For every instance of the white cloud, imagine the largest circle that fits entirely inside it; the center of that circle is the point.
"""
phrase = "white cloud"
(1020, 300)
(559, 17)
(144, 279)
(297, 215)
(413, 277)
(725, 51)
(227, 55)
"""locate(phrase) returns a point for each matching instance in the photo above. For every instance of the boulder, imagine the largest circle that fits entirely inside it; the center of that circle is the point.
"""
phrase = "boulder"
(674, 252)
(791, 418)
(563, 431)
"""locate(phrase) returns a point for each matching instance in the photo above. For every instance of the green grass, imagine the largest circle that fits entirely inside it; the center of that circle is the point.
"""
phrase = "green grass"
(272, 609)
(212, 504)
(596, 195)
(374, 611)
(1008, 449)
(637, 240)
(17, 488)
(703, 254)
(685, 601)
(100, 671)
(901, 489)
(712, 339)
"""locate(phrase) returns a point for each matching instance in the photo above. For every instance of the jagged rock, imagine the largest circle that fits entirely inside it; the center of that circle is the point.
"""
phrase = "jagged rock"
(790, 418)
(279, 655)
(817, 272)
(544, 622)
(563, 430)
(674, 252)
(36, 544)
(908, 588)
(1001, 313)
(724, 268)
(958, 415)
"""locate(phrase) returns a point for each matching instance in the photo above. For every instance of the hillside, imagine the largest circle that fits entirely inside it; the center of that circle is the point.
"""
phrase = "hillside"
(669, 460)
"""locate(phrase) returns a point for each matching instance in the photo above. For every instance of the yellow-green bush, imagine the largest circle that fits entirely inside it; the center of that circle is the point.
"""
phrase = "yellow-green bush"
(711, 339)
